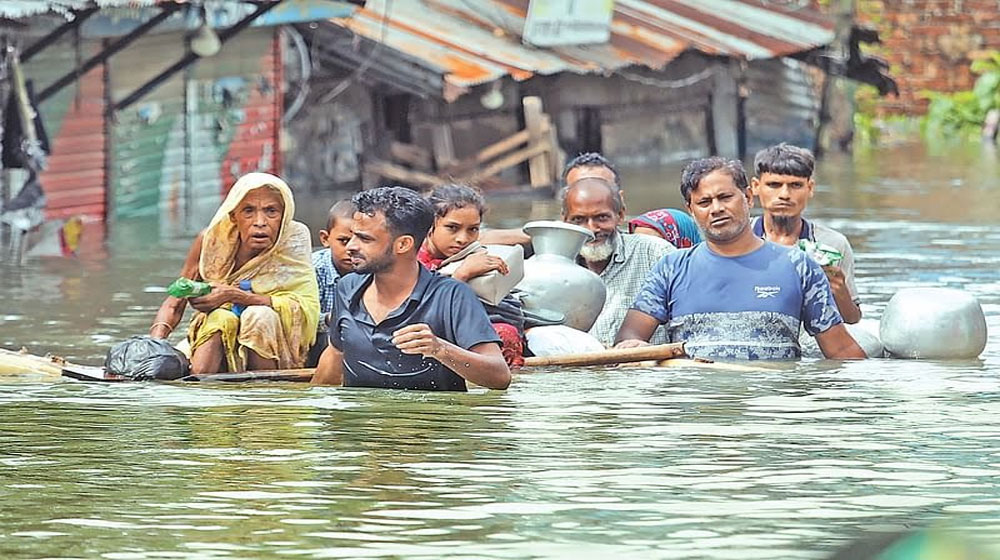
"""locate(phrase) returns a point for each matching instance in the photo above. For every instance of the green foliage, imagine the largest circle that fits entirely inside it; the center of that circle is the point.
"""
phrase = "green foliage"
(867, 129)
(963, 112)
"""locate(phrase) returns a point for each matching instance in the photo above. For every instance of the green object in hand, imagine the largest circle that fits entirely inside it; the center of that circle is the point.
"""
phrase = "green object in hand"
(824, 255)
(185, 287)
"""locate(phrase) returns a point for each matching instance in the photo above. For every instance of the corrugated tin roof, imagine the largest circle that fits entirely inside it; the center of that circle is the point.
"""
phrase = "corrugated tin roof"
(471, 42)
(17, 9)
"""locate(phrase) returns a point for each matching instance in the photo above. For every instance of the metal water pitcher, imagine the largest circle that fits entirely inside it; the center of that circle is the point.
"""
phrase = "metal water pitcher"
(933, 323)
(554, 281)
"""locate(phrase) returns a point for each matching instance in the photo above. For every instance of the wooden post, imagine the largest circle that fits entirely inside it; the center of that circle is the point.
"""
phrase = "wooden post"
(538, 166)
(836, 116)
(725, 109)
(444, 148)
(555, 155)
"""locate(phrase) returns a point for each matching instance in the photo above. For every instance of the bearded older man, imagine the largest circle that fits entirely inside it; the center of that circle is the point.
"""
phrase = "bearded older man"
(622, 260)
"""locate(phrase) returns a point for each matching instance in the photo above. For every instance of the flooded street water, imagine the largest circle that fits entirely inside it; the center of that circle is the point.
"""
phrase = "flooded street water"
(595, 463)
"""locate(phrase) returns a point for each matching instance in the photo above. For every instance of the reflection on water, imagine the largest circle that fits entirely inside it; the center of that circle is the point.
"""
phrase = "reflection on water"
(677, 463)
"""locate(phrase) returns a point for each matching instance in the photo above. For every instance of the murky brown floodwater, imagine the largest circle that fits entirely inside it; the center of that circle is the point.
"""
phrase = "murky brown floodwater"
(577, 464)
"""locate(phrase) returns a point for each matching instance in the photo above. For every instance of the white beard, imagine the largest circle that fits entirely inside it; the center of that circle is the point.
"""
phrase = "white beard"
(599, 253)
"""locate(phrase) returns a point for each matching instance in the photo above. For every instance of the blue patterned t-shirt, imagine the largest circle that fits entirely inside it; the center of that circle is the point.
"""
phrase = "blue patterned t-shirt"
(744, 308)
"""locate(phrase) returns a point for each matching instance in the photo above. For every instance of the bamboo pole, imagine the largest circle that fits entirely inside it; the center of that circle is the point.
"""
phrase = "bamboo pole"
(610, 356)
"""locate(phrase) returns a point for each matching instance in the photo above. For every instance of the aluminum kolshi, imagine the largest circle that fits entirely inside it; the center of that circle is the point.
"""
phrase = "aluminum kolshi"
(552, 279)
(933, 323)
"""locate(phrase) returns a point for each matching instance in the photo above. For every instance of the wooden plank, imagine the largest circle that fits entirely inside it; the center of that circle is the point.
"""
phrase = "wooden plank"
(442, 144)
(292, 375)
(539, 174)
(97, 374)
(497, 148)
(395, 172)
(12, 362)
(410, 154)
(467, 165)
(508, 161)
(91, 374)
(610, 356)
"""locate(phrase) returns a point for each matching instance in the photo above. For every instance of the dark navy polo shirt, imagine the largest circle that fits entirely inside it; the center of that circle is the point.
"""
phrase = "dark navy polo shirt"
(448, 306)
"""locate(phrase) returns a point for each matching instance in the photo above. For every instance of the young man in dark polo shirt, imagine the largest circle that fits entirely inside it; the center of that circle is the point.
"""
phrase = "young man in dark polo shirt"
(395, 324)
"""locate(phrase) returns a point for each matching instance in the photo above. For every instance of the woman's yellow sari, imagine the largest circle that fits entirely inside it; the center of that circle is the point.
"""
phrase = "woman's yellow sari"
(283, 272)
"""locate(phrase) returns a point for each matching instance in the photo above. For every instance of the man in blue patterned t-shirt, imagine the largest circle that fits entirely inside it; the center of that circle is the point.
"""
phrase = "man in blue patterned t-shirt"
(735, 296)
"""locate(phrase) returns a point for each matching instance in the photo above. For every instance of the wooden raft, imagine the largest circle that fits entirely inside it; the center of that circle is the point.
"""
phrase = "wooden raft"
(610, 356)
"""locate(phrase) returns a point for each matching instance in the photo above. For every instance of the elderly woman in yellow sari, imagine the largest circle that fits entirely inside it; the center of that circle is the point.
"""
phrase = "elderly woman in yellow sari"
(251, 238)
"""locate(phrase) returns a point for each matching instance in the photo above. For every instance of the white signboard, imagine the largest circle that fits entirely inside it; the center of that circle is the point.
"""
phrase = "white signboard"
(568, 22)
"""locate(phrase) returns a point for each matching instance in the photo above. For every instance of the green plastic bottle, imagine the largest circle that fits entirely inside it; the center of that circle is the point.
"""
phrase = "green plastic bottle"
(185, 288)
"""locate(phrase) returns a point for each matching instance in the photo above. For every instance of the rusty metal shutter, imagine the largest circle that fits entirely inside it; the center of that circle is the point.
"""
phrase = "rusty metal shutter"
(782, 105)
(73, 181)
(176, 152)
(147, 139)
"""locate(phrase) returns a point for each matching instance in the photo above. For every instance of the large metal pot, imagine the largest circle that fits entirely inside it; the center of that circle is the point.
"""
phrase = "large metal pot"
(865, 333)
(552, 279)
(935, 323)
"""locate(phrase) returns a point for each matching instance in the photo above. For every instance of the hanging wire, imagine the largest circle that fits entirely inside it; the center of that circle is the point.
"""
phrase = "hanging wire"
(790, 5)
(669, 84)
(305, 73)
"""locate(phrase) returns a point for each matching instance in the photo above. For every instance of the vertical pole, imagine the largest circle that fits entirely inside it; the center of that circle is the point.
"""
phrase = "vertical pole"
(538, 166)
(741, 115)
(726, 109)
(190, 102)
(7, 52)
(823, 115)
(107, 122)
(443, 145)
(713, 149)
(77, 66)
(837, 116)
(555, 155)
(278, 90)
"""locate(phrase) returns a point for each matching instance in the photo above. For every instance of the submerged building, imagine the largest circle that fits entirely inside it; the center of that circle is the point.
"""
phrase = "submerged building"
(423, 84)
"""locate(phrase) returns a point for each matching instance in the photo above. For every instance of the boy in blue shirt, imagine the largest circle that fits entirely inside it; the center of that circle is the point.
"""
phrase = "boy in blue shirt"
(330, 263)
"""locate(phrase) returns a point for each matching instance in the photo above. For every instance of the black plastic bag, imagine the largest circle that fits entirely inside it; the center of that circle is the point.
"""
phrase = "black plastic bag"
(143, 358)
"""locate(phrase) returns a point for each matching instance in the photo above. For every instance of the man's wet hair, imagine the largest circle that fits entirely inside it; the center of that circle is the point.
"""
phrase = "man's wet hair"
(699, 168)
(445, 198)
(616, 194)
(785, 159)
(405, 211)
(591, 159)
(342, 209)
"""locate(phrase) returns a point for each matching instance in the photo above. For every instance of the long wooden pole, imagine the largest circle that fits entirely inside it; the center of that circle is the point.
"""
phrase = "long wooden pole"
(610, 356)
